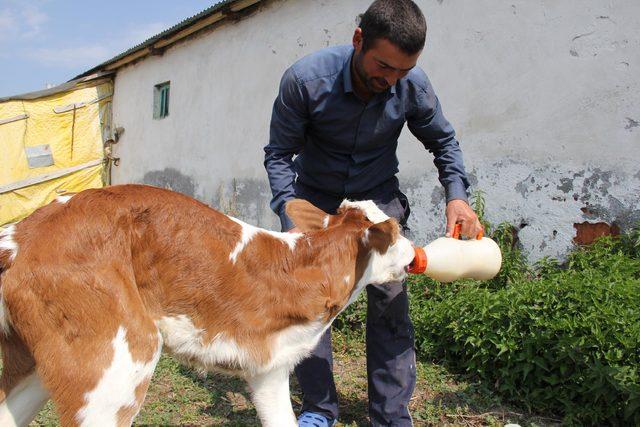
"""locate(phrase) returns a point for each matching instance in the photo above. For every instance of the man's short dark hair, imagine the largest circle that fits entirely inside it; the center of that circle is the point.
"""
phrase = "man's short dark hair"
(399, 21)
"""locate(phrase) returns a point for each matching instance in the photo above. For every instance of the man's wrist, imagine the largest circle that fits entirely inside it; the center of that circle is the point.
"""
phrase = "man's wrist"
(285, 222)
(456, 191)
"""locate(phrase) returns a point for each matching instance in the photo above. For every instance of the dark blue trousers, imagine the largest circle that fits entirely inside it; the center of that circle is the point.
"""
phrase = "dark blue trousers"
(391, 367)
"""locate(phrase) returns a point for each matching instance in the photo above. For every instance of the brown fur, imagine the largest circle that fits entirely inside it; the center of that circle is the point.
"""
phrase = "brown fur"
(128, 255)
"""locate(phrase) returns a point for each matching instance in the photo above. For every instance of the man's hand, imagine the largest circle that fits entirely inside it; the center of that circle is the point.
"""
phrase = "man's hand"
(459, 211)
(294, 230)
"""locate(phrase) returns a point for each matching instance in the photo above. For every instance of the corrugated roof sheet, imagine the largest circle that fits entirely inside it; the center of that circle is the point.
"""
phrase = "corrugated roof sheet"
(55, 89)
(150, 41)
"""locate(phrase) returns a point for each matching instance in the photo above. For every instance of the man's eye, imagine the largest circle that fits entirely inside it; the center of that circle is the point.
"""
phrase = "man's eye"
(383, 66)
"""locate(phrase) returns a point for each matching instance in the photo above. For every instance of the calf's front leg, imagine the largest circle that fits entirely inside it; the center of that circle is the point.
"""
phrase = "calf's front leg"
(270, 395)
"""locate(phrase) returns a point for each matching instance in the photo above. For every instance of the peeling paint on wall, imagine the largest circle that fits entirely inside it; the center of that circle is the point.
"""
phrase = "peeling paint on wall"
(587, 232)
(566, 185)
(327, 42)
(543, 203)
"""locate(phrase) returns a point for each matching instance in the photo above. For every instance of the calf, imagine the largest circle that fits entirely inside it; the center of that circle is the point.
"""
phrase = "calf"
(94, 286)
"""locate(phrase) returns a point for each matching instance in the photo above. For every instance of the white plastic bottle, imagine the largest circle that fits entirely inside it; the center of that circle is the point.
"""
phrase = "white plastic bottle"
(448, 258)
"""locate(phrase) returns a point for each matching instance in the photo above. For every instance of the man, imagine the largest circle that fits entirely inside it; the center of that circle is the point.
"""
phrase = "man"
(340, 110)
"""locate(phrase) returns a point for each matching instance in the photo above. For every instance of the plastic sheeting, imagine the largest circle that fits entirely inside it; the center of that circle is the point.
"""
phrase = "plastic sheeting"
(72, 126)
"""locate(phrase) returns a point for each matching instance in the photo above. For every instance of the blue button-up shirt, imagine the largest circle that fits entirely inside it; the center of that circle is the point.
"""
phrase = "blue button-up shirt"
(345, 145)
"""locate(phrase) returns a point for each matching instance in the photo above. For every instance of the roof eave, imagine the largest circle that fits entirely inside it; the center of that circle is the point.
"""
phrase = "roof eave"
(226, 9)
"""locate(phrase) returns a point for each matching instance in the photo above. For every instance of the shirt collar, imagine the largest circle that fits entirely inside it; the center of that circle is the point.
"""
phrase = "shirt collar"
(348, 83)
(346, 73)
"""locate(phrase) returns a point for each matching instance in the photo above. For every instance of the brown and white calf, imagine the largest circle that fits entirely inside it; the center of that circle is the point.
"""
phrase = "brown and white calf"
(94, 286)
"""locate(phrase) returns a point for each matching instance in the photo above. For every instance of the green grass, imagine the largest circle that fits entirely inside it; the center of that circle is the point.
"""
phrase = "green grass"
(180, 396)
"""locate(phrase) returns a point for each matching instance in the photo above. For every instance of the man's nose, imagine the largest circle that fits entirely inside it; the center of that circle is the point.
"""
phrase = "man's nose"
(391, 80)
(393, 76)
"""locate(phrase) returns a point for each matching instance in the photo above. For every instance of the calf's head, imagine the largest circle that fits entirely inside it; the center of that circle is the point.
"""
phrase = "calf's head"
(383, 254)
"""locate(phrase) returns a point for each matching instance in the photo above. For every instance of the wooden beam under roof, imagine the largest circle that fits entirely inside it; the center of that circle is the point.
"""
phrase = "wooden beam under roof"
(163, 43)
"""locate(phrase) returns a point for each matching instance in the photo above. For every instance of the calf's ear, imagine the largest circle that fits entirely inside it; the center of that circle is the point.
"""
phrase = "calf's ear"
(305, 216)
(383, 234)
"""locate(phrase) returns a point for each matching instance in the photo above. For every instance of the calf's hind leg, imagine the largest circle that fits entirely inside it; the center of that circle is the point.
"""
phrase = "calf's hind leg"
(96, 369)
(118, 396)
(107, 388)
(21, 392)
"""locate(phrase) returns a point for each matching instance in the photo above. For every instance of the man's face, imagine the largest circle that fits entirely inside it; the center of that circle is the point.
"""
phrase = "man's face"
(382, 64)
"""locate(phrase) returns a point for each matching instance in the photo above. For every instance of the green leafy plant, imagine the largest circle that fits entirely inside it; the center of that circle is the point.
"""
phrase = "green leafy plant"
(565, 340)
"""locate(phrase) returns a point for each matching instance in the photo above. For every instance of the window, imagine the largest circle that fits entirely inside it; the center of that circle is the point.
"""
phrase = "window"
(161, 100)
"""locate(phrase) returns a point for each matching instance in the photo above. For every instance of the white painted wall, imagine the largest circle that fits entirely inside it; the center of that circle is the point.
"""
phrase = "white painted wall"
(543, 94)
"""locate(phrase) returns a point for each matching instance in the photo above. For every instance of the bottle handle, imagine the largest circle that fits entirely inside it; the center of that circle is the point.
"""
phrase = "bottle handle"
(458, 227)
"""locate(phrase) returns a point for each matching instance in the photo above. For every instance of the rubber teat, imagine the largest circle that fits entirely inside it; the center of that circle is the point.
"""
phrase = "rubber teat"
(419, 263)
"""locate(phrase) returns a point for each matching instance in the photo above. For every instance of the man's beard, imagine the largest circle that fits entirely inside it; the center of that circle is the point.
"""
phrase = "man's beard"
(381, 84)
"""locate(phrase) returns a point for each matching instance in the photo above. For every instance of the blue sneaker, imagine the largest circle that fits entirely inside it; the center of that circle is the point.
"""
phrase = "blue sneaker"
(311, 419)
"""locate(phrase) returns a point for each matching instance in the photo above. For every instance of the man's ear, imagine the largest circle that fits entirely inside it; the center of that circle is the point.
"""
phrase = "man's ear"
(305, 216)
(357, 39)
(383, 234)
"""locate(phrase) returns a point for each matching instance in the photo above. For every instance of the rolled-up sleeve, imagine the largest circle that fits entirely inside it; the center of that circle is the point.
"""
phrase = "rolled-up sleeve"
(428, 124)
(286, 138)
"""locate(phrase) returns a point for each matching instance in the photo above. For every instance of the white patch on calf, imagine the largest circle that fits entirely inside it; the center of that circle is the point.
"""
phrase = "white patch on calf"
(186, 342)
(384, 268)
(294, 343)
(390, 266)
(365, 237)
(5, 318)
(325, 221)
(249, 231)
(7, 243)
(370, 209)
(24, 402)
(116, 389)
(64, 198)
(288, 347)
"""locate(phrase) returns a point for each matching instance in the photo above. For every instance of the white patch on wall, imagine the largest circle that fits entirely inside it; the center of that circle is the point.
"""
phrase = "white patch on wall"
(116, 389)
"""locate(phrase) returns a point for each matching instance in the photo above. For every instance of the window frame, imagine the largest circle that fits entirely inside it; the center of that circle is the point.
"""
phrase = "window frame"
(161, 98)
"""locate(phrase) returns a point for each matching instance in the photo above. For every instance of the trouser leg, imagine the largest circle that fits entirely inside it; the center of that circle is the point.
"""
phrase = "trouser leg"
(315, 376)
(391, 363)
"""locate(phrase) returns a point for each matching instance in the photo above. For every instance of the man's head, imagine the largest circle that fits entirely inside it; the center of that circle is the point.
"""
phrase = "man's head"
(388, 42)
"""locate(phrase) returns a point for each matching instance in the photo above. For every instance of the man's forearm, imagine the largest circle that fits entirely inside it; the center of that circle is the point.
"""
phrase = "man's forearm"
(281, 173)
(451, 171)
